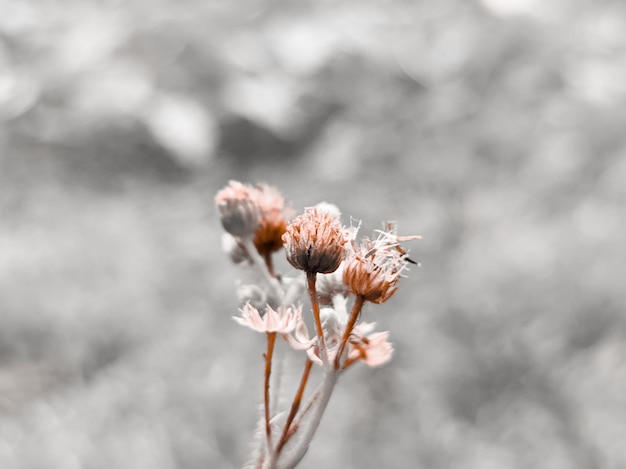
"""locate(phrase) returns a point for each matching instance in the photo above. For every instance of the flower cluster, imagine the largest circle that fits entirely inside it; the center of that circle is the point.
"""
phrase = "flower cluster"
(340, 275)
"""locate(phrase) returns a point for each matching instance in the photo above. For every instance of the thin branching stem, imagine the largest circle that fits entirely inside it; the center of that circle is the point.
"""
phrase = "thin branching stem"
(354, 315)
(295, 405)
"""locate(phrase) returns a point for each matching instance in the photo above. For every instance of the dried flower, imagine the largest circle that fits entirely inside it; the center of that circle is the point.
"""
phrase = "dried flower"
(239, 210)
(282, 320)
(314, 242)
(273, 221)
(374, 268)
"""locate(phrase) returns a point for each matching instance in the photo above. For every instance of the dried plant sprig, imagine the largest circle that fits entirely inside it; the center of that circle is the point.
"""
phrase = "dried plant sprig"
(337, 268)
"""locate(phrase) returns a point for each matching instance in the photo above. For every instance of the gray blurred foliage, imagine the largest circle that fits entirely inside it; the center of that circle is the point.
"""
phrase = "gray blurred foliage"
(494, 128)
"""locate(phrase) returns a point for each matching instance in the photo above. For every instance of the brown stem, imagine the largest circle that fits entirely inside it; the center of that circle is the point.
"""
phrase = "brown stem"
(354, 315)
(295, 405)
(311, 277)
(271, 339)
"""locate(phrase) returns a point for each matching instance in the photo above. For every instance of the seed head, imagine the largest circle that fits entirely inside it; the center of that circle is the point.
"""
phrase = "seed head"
(374, 267)
(314, 242)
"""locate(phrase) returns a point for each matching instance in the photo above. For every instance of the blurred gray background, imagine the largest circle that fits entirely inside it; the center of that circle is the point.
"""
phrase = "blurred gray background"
(494, 128)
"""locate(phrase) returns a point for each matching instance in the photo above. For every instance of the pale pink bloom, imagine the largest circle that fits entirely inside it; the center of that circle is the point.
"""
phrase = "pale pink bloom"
(373, 349)
(282, 320)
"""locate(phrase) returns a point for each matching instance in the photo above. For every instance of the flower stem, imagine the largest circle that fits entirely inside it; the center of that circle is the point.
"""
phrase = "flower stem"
(354, 315)
(271, 339)
(295, 406)
(275, 289)
(311, 277)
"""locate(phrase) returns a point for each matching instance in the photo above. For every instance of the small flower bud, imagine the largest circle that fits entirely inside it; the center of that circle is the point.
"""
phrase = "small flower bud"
(273, 220)
(234, 249)
(330, 285)
(314, 242)
(329, 208)
(238, 209)
(253, 294)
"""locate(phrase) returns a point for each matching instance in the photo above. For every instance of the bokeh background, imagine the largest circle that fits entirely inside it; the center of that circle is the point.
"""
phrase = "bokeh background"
(494, 128)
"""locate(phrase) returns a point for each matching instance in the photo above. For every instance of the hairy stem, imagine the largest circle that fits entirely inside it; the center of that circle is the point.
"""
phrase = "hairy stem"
(318, 406)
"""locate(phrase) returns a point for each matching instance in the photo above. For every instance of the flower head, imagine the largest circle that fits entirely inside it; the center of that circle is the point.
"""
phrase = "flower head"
(239, 210)
(282, 320)
(273, 221)
(314, 242)
(375, 266)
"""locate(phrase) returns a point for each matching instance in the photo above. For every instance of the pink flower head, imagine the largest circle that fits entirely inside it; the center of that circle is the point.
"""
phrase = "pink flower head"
(282, 320)
(315, 241)
(239, 211)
